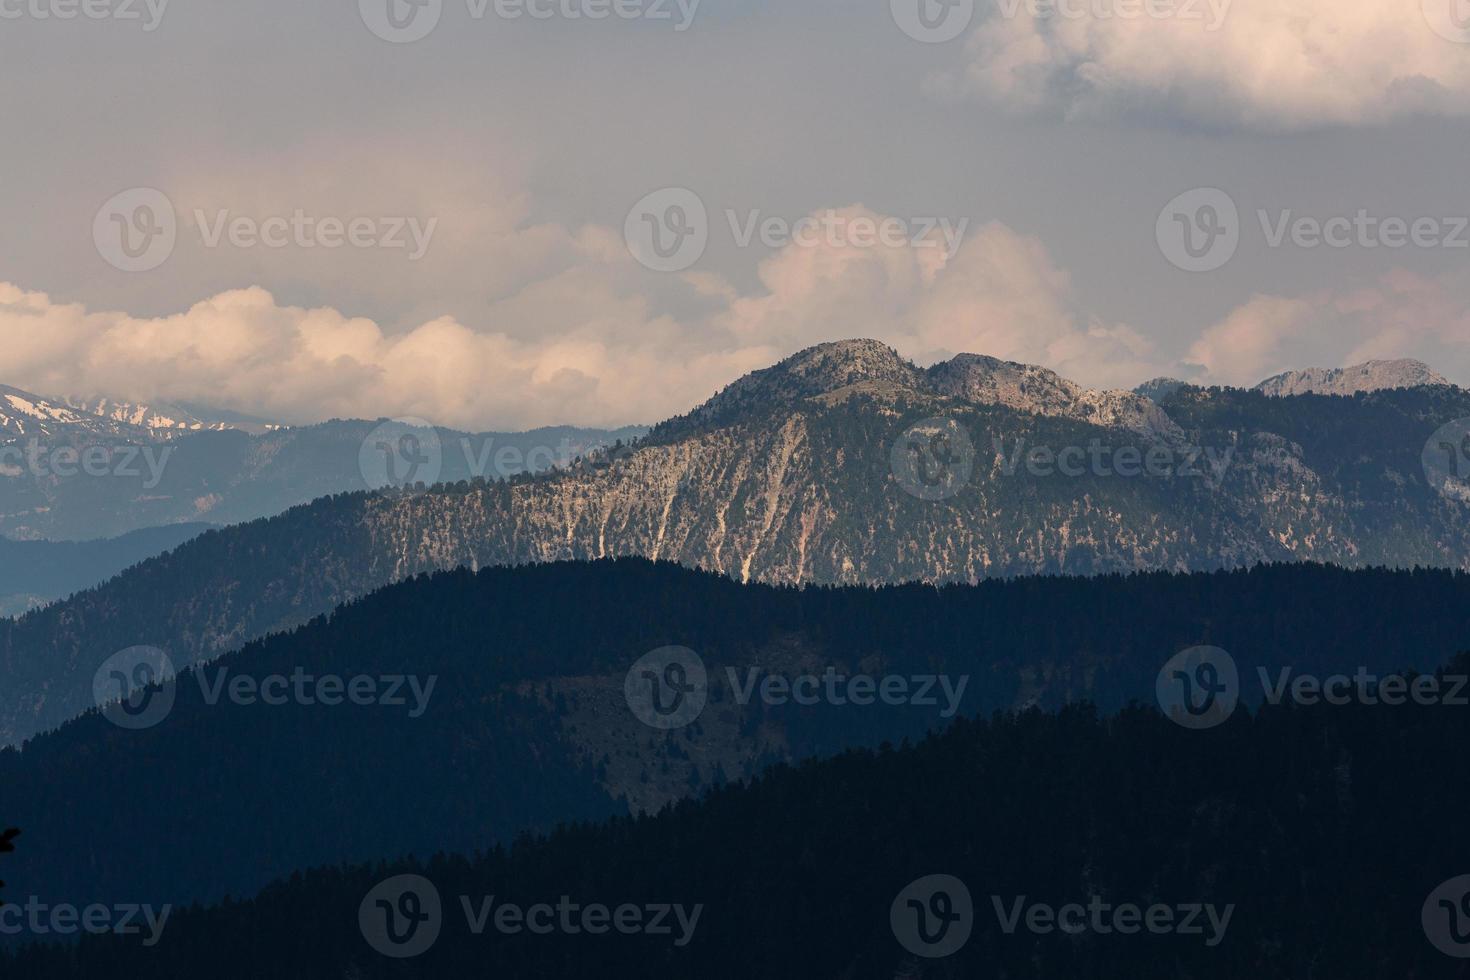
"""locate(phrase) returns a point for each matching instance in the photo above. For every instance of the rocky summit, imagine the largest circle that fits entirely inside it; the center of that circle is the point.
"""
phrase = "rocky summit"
(1369, 376)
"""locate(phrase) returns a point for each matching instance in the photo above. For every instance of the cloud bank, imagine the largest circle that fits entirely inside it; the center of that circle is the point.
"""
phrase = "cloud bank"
(587, 341)
(1274, 64)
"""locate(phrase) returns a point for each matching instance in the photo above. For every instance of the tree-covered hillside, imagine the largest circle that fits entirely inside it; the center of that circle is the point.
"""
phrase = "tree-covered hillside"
(1296, 842)
(528, 722)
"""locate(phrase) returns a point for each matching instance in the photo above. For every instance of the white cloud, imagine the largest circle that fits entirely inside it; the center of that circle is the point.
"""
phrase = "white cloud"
(578, 344)
(1402, 315)
(1267, 63)
(1000, 294)
(581, 340)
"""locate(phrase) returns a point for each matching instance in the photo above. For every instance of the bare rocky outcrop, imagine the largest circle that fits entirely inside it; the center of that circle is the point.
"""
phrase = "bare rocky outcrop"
(1369, 376)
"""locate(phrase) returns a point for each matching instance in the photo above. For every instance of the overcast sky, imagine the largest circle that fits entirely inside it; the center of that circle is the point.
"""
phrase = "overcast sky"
(301, 211)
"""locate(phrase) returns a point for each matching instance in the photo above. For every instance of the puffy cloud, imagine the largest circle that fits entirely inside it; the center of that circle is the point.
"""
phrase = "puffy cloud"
(1402, 315)
(581, 343)
(1267, 63)
(1239, 349)
(999, 293)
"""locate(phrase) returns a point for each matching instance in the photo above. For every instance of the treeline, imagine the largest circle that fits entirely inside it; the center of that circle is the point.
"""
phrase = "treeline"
(1322, 831)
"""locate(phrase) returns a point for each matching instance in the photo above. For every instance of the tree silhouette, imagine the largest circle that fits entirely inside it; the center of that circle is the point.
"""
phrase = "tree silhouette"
(6, 847)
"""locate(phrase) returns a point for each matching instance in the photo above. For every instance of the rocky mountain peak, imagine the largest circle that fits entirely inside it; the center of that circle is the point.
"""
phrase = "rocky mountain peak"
(831, 367)
(1369, 376)
(25, 415)
(821, 370)
(990, 381)
(1160, 388)
(1028, 388)
(167, 418)
(874, 368)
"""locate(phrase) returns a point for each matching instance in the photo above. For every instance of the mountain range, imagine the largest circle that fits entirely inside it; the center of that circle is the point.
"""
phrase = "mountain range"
(169, 418)
(842, 464)
(167, 464)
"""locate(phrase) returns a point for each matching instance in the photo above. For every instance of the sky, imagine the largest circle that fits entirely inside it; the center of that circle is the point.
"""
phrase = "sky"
(500, 214)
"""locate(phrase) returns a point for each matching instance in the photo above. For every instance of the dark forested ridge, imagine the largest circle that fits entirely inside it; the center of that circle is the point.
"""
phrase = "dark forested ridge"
(1303, 830)
(528, 724)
